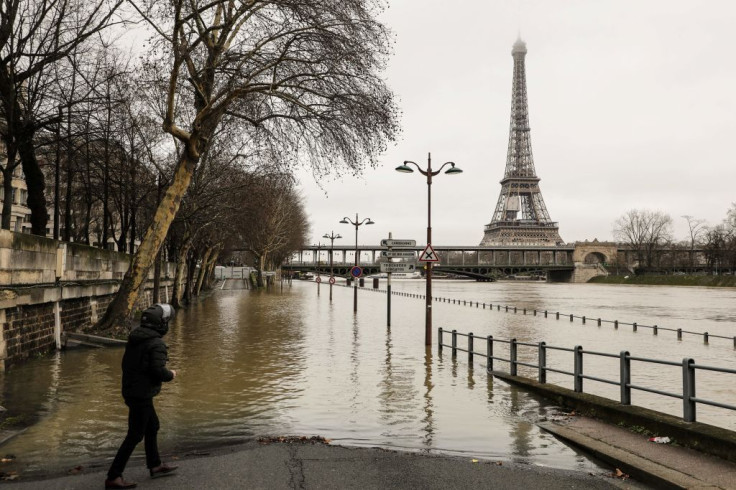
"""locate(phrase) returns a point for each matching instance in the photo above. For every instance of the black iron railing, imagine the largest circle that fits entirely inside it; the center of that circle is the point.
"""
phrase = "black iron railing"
(688, 366)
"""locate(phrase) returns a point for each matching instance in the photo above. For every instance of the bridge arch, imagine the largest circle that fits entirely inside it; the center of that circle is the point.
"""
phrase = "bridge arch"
(595, 252)
(595, 258)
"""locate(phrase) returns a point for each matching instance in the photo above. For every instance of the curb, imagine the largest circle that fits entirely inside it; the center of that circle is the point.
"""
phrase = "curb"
(641, 468)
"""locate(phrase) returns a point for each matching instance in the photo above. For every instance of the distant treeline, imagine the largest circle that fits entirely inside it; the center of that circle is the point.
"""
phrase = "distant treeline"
(728, 281)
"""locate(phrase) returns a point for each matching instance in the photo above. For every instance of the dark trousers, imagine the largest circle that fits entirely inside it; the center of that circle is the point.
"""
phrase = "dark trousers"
(142, 424)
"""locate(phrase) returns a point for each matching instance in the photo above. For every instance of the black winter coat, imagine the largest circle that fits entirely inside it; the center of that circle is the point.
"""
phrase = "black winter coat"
(144, 364)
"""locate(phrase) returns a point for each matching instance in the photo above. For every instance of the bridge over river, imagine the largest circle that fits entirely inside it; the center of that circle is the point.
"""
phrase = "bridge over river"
(576, 262)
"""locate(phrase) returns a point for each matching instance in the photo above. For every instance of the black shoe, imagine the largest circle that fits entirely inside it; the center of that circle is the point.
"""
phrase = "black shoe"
(163, 470)
(119, 482)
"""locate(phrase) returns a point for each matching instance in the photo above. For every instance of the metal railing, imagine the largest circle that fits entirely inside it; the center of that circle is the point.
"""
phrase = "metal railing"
(635, 326)
(688, 366)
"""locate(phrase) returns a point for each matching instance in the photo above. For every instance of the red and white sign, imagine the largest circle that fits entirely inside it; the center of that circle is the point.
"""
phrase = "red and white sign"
(318, 280)
(428, 254)
(332, 280)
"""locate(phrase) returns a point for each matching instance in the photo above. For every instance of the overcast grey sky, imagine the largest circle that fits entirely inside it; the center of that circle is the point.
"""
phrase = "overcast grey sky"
(632, 104)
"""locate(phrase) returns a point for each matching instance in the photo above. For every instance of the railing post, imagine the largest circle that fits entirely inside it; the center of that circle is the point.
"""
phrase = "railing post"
(654, 330)
(545, 313)
(679, 336)
(583, 320)
(625, 378)
(570, 316)
(542, 362)
(525, 311)
(599, 322)
(454, 343)
(512, 356)
(470, 349)
(688, 390)
(578, 371)
(634, 325)
(535, 312)
(557, 315)
(705, 338)
(489, 353)
(439, 340)
(615, 324)
(514, 309)
(507, 308)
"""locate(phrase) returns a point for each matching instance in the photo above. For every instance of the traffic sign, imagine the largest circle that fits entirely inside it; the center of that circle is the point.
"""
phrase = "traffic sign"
(332, 280)
(398, 254)
(356, 271)
(397, 267)
(318, 280)
(388, 242)
(428, 255)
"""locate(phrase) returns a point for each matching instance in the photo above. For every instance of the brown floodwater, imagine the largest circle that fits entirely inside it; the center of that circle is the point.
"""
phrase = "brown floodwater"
(289, 362)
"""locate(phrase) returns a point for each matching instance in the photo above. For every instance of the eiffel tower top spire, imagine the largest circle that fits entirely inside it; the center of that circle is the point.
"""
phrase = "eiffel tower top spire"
(520, 216)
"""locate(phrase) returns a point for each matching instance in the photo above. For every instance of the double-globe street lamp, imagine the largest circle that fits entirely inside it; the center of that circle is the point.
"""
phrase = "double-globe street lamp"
(356, 224)
(331, 237)
(429, 173)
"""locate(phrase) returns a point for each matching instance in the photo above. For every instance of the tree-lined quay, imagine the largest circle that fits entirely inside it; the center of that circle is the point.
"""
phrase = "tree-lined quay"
(187, 148)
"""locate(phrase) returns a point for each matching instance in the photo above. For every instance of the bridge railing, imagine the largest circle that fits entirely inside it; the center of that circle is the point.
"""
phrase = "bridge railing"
(689, 368)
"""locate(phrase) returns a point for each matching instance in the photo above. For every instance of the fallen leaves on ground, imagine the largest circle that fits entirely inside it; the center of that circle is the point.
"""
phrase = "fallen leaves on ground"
(294, 440)
(8, 476)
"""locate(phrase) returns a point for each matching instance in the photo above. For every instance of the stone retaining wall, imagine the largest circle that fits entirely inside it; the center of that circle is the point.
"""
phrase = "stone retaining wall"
(39, 275)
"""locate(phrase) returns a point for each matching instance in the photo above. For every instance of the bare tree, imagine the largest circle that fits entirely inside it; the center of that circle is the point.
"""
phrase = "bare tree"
(696, 228)
(35, 34)
(645, 232)
(302, 75)
(273, 222)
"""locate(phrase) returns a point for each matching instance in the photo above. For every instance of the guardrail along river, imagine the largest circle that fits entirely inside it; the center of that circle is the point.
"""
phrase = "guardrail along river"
(254, 363)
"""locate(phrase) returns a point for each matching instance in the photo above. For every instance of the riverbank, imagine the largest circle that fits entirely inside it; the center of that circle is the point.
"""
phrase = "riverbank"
(721, 281)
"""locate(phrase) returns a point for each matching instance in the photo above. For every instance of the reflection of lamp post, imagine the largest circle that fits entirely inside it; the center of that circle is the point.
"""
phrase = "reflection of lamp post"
(331, 237)
(429, 174)
(356, 224)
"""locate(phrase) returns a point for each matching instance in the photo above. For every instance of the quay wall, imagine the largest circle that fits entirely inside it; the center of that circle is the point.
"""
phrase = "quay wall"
(49, 287)
(696, 435)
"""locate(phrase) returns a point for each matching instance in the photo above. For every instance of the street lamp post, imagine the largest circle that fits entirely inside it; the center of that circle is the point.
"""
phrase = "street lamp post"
(429, 174)
(356, 224)
(331, 237)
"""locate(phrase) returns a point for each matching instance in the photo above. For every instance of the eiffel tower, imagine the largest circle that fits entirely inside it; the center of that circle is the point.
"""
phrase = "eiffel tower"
(520, 217)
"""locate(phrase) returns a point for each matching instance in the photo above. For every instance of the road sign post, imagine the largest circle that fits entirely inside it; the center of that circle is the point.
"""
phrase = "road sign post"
(318, 280)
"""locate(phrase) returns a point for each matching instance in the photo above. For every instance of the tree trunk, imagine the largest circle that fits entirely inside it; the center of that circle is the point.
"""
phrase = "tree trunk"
(203, 270)
(181, 263)
(210, 270)
(191, 267)
(120, 309)
(35, 184)
(7, 195)
(157, 278)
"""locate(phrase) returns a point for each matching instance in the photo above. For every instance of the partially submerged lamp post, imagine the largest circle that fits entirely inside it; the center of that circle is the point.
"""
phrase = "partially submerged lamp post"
(429, 174)
(331, 237)
(356, 224)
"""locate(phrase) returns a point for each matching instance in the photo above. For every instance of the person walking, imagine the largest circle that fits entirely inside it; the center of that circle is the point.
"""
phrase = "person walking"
(144, 369)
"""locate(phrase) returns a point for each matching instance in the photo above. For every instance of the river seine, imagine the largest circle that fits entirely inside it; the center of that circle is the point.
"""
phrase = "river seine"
(289, 362)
